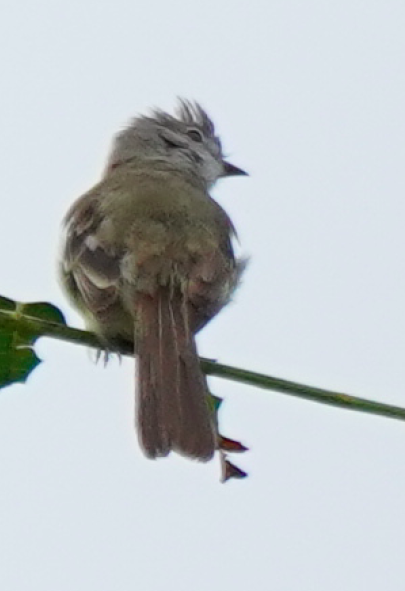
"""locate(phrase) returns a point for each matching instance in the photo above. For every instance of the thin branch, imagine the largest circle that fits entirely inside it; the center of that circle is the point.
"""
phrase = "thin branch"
(303, 391)
(88, 339)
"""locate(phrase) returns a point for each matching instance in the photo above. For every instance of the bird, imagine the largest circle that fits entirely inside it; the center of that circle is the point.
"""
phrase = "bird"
(148, 260)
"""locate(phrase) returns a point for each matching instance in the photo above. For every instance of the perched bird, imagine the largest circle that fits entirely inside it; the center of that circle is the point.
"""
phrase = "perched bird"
(148, 259)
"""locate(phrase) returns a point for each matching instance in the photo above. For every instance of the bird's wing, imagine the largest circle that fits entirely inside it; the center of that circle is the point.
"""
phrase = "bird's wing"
(90, 269)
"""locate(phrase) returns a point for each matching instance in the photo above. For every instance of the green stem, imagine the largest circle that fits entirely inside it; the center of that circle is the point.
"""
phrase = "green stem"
(303, 391)
(81, 337)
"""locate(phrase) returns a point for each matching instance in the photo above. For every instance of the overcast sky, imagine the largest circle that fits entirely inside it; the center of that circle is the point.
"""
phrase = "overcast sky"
(309, 98)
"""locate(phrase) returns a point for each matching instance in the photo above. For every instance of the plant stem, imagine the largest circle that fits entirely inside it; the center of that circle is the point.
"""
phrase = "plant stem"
(88, 339)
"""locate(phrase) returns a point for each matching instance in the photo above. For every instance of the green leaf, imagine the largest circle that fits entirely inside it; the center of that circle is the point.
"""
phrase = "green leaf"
(17, 358)
(216, 402)
(6, 304)
(43, 311)
(18, 333)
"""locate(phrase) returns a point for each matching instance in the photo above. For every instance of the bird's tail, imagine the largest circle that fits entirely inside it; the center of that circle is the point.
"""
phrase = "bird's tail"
(172, 402)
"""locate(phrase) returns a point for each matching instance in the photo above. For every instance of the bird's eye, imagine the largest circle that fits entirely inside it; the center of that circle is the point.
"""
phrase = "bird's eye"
(195, 135)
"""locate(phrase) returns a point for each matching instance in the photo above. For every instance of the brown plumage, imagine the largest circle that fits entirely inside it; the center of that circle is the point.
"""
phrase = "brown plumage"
(172, 393)
(148, 259)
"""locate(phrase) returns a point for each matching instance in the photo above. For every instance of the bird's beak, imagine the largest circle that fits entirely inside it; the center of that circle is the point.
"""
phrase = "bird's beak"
(232, 170)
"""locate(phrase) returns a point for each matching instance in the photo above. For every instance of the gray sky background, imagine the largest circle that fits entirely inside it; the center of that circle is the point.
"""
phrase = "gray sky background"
(309, 98)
